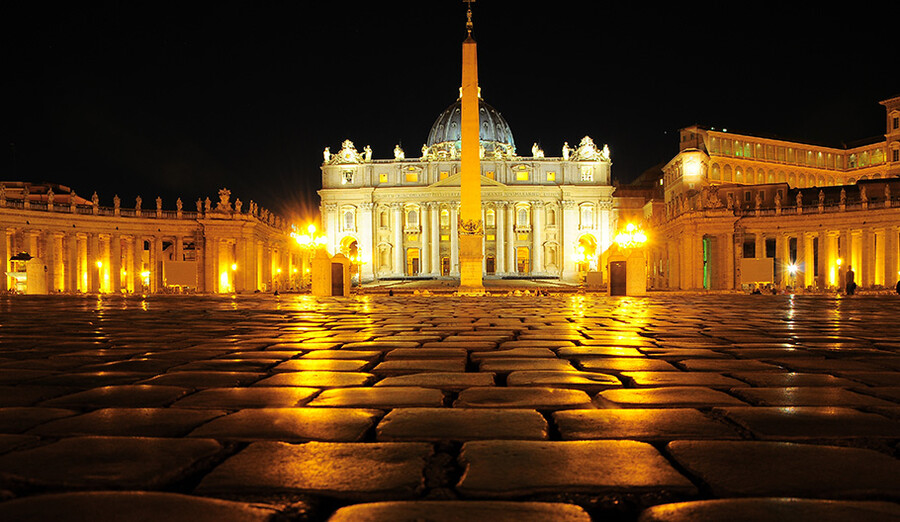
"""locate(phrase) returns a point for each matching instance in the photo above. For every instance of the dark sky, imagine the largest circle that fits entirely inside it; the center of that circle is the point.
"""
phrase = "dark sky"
(181, 99)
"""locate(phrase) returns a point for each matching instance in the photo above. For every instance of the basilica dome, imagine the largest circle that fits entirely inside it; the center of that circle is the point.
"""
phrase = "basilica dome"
(495, 134)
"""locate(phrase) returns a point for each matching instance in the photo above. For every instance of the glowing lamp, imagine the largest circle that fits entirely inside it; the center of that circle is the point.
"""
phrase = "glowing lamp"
(838, 261)
(99, 264)
(234, 266)
(632, 237)
(691, 169)
(792, 269)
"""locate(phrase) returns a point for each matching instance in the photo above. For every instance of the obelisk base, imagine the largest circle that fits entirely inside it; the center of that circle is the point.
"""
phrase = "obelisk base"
(470, 264)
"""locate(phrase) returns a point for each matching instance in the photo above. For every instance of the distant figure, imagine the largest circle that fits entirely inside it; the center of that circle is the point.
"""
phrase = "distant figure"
(276, 293)
(851, 283)
(390, 293)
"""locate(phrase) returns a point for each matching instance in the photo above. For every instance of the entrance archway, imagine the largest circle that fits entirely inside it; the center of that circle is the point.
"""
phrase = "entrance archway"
(586, 253)
(523, 260)
(412, 261)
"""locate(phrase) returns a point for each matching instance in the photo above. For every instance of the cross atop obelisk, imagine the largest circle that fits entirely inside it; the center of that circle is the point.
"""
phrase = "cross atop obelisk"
(471, 232)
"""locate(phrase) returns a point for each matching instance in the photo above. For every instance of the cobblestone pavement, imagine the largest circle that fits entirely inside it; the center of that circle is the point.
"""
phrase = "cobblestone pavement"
(567, 407)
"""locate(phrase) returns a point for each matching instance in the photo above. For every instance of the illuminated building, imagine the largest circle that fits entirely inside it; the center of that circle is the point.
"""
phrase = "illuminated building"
(741, 210)
(89, 248)
(400, 214)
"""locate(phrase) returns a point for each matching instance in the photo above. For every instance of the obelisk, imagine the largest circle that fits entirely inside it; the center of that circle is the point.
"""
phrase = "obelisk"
(471, 231)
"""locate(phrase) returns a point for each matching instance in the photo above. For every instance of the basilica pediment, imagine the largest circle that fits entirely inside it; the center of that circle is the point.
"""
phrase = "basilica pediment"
(456, 179)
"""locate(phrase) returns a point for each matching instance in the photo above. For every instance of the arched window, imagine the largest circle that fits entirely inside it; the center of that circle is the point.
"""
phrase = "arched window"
(716, 173)
(445, 218)
(587, 216)
(522, 217)
(349, 220)
(412, 218)
(551, 217)
(490, 218)
(726, 172)
(384, 219)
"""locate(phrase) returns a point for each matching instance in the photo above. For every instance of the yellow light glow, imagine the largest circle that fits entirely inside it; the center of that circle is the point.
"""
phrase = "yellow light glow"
(631, 238)
(234, 266)
(691, 169)
(277, 270)
(792, 269)
(311, 229)
(838, 261)
(99, 264)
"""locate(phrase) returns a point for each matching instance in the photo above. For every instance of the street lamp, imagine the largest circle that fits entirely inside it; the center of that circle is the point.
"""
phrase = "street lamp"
(308, 243)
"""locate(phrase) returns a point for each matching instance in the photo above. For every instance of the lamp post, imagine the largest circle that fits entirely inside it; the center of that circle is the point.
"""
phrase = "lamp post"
(308, 243)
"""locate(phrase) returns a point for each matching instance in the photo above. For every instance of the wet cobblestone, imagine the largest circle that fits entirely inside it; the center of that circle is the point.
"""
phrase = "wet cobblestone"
(375, 407)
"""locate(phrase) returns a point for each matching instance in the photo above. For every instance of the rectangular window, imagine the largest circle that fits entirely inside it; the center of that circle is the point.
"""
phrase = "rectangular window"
(792, 250)
(749, 248)
(522, 175)
(489, 174)
(770, 247)
(490, 237)
(412, 177)
(412, 237)
(895, 155)
(551, 176)
(445, 237)
(522, 237)
(815, 247)
(444, 174)
(896, 122)
(382, 178)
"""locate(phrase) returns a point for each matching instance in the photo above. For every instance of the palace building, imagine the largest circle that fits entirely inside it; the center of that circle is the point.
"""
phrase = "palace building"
(397, 218)
(740, 210)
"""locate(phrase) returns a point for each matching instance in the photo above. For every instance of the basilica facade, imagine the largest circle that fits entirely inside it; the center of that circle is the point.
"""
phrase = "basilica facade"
(543, 217)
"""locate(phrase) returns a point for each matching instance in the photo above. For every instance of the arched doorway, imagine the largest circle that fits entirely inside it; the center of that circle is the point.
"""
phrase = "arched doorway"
(350, 248)
(523, 260)
(412, 261)
(586, 253)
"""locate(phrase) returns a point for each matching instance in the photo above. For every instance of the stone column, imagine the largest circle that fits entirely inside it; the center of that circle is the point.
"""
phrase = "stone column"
(569, 237)
(4, 259)
(537, 237)
(210, 263)
(93, 255)
(435, 243)
(115, 264)
(510, 238)
(51, 258)
(738, 250)
(867, 257)
(454, 239)
(890, 257)
(804, 266)
(727, 276)
(71, 262)
(425, 238)
(179, 248)
(399, 251)
(366, 241)
(500, 231)
(822, 265)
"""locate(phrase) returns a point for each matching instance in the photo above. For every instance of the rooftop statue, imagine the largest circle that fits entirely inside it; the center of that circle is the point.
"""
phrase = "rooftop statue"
(566, 151)
(224, 204)
(587, 151)
(398, 153)
(536, 151)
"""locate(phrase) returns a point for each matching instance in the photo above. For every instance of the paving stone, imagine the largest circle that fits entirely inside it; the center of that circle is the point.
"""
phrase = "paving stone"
(807, 396)
(551, 343)
(125, 422)
(426, 353)
(363, 355)
(751, 468)
(624, 364)
(131, 506)
(470, 346)
(383, 346)
(586, 381)
(727, 365)
(318, 379)
(705, 379)
(755, 509)
(407, 366)
(204, 379)
(27, 395)
(124, 396)
(891, 393)
(597, 351)
(91, 379)
(356, 471)
(20, 419)
(328, 365)
(291, 425)
(684, 353)
(9, 442)
(381, 397)
(504, 365)
(502, 469)
(640, 424)
(805, 422)
(461, 511)
(447, 381)
(303, 346)
(19, 376)
(514, 353)
(226, 365)
(826, 365)
(791, 379)
(536, 398)
(667, 397)
(106, 462)
(873, 378)
(460, 424)
(240, 398)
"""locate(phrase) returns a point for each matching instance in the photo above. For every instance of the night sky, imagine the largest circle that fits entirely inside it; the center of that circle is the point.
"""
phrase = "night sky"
(181, 100)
